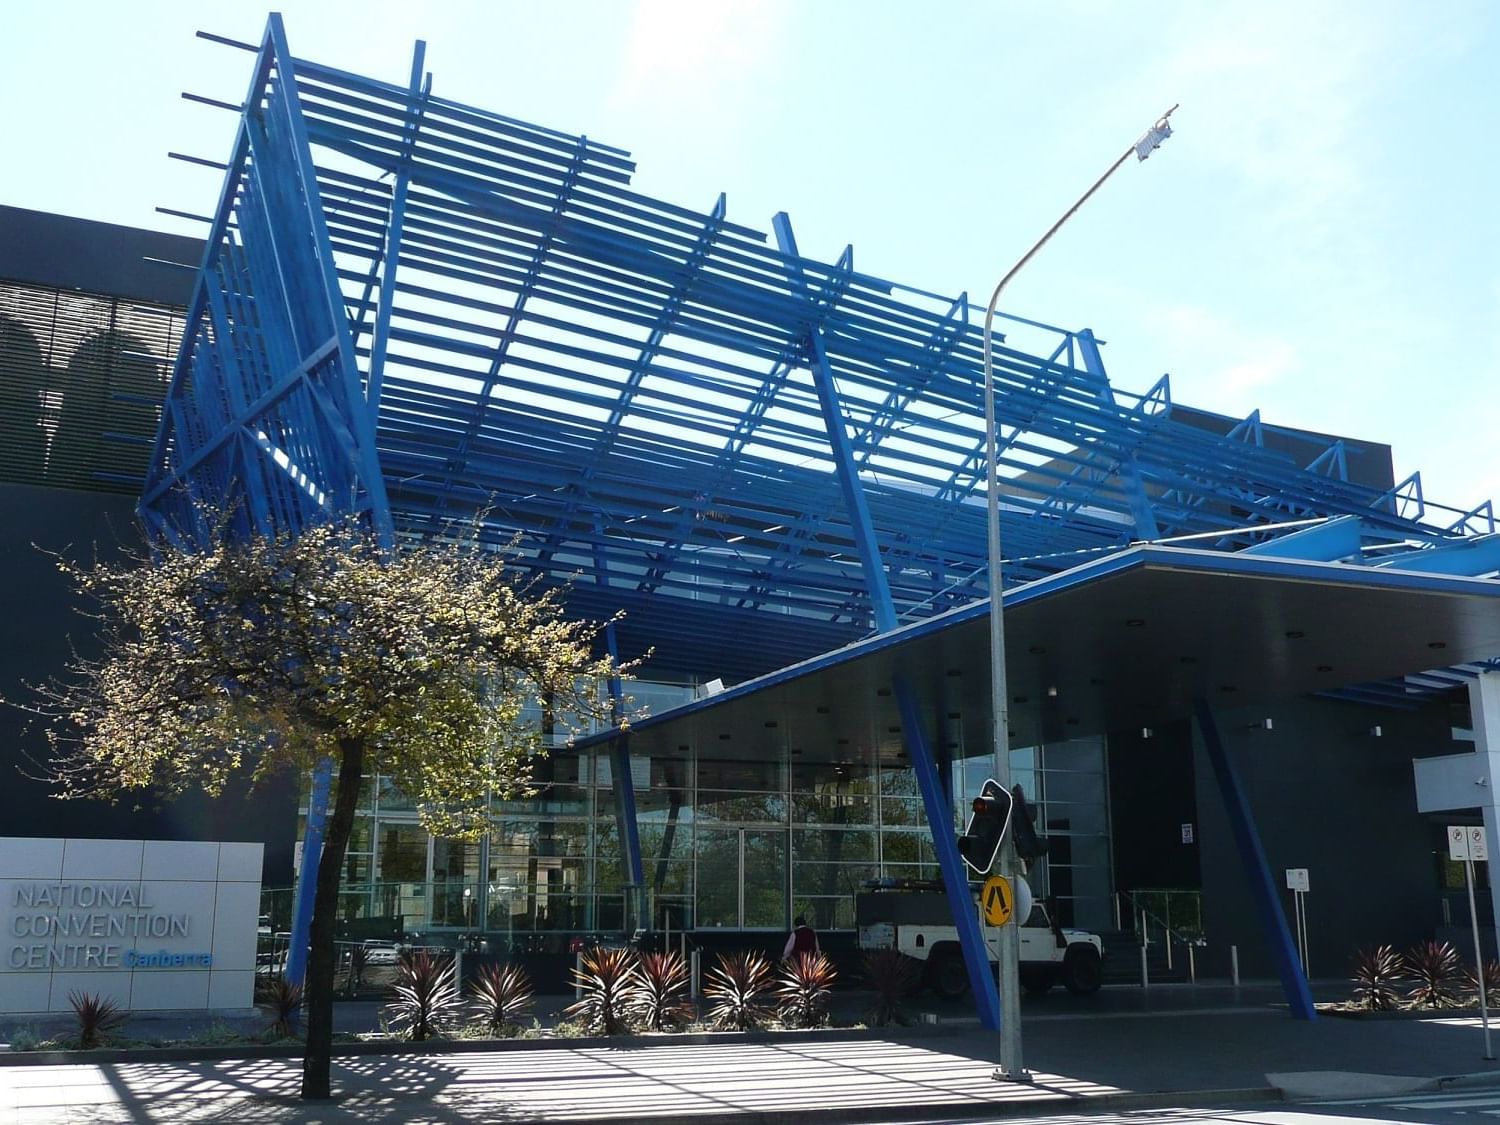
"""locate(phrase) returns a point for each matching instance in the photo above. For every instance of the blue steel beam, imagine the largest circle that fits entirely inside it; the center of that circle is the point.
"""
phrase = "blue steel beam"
(1140, 505)
(1257, 870)
(1330, 541)
(939, 812)
(420, 90)
(855, 503)
(914, 734)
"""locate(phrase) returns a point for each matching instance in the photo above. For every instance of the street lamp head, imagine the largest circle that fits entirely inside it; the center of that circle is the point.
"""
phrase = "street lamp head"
(1154, 136)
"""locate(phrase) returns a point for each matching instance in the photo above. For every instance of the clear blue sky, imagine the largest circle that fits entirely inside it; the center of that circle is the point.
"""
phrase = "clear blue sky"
(1319, 239)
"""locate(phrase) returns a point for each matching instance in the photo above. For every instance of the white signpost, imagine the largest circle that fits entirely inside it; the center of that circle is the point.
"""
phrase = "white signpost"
(1296, 882)
(1467, 842)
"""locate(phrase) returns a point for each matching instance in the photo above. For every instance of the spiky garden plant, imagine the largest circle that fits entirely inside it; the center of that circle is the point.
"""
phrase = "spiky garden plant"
(1437, 970)
(502, 994)
(1375, 972)
(739, 986)
(804, 985)
(657, 995)
(605, 977)
(282, 1000)
(1491, 983)
(96, 1016)
(424, 999)
(893, 976)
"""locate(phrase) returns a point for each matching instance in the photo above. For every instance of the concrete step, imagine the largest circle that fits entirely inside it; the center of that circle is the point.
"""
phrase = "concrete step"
(1122, 960)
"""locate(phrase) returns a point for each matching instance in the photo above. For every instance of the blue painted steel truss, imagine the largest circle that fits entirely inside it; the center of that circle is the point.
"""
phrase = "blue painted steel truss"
(422, 311)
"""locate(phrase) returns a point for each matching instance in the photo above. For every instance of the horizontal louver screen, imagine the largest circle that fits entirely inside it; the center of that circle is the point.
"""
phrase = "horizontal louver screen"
(82, 378)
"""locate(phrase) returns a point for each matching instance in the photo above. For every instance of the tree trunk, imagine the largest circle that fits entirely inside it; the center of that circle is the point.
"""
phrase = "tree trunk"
(321, 960)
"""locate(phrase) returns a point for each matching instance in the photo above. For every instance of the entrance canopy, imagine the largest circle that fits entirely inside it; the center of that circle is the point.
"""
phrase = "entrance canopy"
(1128, 641)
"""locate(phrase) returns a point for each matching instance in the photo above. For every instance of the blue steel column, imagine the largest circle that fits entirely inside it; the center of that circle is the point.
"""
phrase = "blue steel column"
(934, 796)
(362, 422)
(625, 811)
(1257, 870)
(307, 874)
(1140, 503)
(945, 844)
(381, 340)
(838, 437)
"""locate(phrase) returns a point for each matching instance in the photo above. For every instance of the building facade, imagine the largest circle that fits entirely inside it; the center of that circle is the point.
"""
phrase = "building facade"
(762, 459)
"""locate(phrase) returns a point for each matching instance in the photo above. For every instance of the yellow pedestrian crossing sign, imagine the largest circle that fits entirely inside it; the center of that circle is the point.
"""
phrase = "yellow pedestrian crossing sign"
(997, 900)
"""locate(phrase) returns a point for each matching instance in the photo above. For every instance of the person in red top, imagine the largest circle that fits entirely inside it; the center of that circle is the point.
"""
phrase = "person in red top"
(803, 939)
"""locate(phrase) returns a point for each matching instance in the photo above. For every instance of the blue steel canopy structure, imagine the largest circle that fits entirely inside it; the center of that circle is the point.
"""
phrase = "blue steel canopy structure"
(424, 313)
(427, 312)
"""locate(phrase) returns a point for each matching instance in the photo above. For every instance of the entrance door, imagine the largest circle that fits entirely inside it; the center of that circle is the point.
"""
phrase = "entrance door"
(742, 878)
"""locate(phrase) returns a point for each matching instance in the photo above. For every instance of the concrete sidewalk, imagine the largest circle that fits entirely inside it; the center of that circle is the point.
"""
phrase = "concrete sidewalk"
(1169, 1046)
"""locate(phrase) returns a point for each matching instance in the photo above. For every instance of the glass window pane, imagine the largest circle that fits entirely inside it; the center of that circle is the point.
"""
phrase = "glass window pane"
(743, 808)
(764, 874)
(718, 877)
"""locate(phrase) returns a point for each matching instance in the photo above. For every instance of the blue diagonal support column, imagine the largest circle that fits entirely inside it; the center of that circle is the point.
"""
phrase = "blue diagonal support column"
(856, 504)
(307, 873)
(950, 863)
(381, 341)
(934, 797)
(624, 788)
(1140, 505)
(1257, 870)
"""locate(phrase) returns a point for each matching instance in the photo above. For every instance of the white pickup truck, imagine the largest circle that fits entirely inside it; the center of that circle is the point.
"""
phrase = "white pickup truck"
(916, 921)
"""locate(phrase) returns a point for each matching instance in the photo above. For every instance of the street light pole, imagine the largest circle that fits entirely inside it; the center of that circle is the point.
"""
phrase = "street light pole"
(1011, 1068)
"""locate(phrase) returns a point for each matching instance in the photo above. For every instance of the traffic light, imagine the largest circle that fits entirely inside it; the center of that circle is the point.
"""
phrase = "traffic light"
(981, 840)
(1029, 845)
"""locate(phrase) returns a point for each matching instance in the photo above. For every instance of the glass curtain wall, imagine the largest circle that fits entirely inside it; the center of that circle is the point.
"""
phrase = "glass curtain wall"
(1067, 785)
(726, 844)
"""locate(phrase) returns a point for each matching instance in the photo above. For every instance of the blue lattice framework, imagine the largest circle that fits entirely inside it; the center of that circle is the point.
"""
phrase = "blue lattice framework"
(422, 312)
(419, 310)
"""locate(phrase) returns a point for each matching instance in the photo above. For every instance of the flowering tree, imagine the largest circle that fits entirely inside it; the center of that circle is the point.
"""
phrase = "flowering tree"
(269, 654)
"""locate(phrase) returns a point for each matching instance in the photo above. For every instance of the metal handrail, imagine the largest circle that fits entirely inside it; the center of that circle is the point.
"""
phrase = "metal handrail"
(1139, 910)
(1145, 916)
